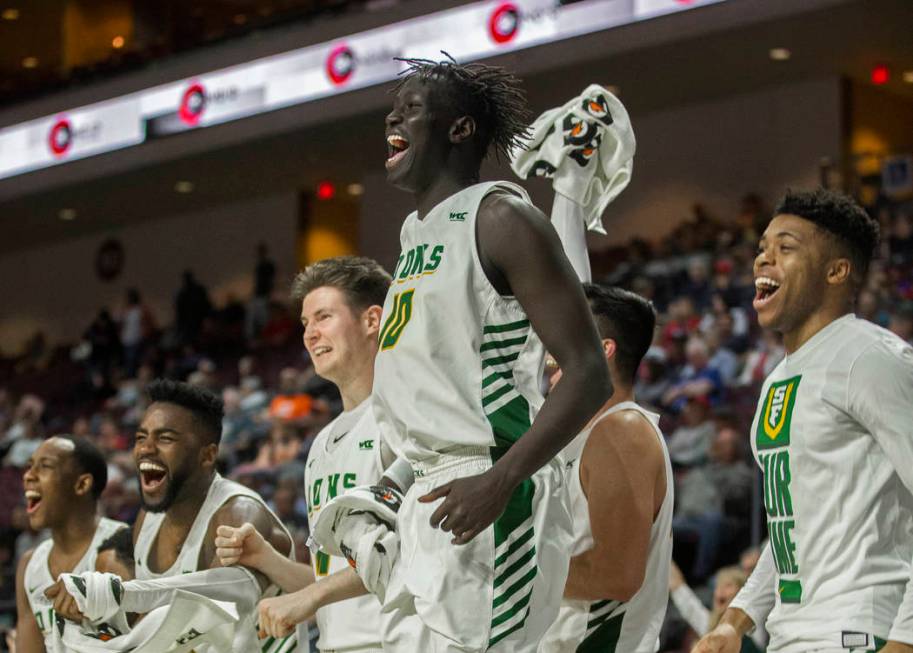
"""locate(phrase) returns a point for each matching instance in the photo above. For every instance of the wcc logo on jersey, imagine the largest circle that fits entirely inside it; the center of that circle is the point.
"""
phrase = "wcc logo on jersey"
(776, 414)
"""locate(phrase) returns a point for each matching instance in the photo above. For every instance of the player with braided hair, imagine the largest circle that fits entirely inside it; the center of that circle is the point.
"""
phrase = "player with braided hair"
(481, 284)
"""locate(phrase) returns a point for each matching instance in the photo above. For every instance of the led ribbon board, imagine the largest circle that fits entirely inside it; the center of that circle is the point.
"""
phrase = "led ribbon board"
(469, 32)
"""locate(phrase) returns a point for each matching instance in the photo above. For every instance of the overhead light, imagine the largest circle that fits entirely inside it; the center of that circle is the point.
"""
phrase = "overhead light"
(240, 19)
(30, 62)
(779, 54)
(183, 187)
(880, 74)
(10, 13)
(355, 189)
(325, 190)
(908, 76)
(67, 214)
(117, 42)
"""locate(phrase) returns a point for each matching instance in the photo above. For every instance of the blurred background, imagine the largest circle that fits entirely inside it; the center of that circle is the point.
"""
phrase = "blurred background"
(167, 166)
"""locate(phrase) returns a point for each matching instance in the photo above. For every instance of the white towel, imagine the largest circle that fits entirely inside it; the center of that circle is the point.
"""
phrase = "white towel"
(187, 623)
(587, 147)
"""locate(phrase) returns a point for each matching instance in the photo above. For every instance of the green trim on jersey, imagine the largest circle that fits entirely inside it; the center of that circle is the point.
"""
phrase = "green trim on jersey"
(501, 328)
(515, 568)
(603, 630)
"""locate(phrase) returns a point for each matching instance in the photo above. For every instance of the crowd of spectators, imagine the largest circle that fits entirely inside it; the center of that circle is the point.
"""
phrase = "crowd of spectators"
(702, 374)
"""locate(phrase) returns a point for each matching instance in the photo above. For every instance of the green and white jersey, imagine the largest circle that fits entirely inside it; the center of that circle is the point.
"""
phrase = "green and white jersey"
(459, 365)
(187, 561)
(833, 434)
(612, 626)
(38, 576)
(346, 453)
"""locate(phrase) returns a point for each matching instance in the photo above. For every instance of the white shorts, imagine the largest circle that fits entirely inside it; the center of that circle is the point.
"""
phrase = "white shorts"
(501, 591)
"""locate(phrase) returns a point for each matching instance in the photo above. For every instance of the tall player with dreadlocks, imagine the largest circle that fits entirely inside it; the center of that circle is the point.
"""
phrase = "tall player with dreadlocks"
(481, 284)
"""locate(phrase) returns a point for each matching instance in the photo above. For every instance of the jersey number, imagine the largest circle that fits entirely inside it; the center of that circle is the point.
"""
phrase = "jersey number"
(398, 319)
(39, 617)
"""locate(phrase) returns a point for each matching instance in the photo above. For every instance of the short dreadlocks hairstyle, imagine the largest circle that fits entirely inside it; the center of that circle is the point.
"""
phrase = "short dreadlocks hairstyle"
(855, 233)
(490, 94)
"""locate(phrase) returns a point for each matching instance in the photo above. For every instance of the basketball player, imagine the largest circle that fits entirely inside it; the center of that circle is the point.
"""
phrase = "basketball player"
(620, 481)
(481, 278)
(185, 501)
(832, 434)
(62, 483)
(340, 312)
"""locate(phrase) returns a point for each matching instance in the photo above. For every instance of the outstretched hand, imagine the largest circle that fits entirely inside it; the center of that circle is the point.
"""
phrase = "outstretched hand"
(241, 545)
(470, 504)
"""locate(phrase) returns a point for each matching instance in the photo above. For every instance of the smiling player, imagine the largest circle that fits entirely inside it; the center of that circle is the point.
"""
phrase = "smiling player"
(832, 434)
(62, 484)
(481, 278)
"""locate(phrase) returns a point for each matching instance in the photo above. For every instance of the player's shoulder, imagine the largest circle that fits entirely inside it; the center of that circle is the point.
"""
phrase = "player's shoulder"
(507, 202)
(878, 354)
(25, 559)
(629, 433)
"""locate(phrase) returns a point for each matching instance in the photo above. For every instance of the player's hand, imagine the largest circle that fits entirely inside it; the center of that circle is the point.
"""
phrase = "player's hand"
(64, 603)
(241, 546)
(11, 640)
(470, 504)
(722, 639)
(279, 615)
(897, 647)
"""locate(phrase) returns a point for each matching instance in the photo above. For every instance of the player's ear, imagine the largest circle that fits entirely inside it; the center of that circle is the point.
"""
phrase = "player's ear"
(609, 347)
(839, 271)
(208, 455)
(462, 129)
(84, 483)
(370, 318)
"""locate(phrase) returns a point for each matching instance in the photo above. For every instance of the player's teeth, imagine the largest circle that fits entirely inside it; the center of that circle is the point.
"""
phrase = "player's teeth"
(31, 494)
(150, 467)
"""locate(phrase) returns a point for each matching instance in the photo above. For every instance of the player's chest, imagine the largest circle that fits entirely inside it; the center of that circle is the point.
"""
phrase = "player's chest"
(350, 461)
(168, 547)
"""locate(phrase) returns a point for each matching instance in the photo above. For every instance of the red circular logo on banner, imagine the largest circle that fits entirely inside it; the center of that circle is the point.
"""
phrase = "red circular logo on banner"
(60, 138)
(504, 23)
(193, 104)
(340, 64)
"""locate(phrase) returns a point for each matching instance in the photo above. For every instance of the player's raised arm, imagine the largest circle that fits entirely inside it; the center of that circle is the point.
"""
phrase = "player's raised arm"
(28, 635)
(522, 256)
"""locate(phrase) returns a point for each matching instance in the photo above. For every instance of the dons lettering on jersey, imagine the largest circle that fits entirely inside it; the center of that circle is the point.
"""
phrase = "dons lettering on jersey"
(328, 487)
(420, 260)
(772, 439)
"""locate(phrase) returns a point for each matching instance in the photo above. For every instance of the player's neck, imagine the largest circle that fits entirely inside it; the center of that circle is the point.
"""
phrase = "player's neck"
(358, 389)
(819, 319)
(622, 394)
(444, 185)
(184, 510)
(74, 535)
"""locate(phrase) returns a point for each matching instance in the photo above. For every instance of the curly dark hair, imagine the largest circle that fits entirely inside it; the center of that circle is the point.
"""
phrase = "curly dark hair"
(854, 231)
(490, 94)
(207, 407)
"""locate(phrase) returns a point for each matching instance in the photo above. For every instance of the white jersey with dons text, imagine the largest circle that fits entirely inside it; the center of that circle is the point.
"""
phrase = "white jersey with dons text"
(38, 576)
(459, 365)
(833, 434)
(616, 626)
(220, 491)
(346, 453)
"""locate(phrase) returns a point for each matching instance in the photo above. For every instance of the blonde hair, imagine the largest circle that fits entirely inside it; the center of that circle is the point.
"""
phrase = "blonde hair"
(734, 575)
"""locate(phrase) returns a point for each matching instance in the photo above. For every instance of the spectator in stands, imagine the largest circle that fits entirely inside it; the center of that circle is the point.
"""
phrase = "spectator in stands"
(722, 358)
(901, 322)
(137, 326)
(191, 307)
(653, 379)
(290, 404)
(683, 321)
(285, 505)
(900, 242)
(698, 379)
(238, 430)
(689, 443)
(697, 287)
(767, 353)
(24, 435)
(104, 342)
(264, 280)
(728, 582)
(706, 494)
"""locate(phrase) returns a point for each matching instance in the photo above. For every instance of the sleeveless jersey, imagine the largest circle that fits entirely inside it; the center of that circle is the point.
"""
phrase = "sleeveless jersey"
(626, 627)
(345, 453)
(220, 491)
(458, 365)
(38, 576)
